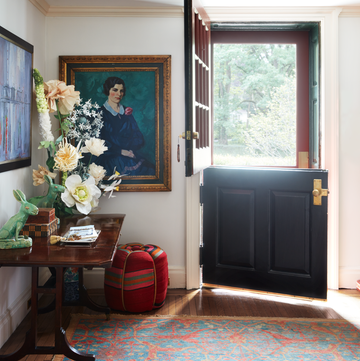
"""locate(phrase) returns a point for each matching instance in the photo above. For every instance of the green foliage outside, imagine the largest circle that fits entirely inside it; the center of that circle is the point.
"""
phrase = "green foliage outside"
(254, 104)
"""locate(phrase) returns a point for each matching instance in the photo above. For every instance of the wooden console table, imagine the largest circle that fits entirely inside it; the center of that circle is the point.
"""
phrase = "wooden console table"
(59, 257)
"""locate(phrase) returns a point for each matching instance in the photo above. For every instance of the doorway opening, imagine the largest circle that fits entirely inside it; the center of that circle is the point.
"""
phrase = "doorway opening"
(261, 110)
(254, 108)
(327, 20)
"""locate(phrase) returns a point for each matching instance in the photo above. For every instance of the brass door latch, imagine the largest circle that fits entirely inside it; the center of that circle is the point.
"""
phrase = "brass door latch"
(318, 192)
(195, 135)
(189, 135)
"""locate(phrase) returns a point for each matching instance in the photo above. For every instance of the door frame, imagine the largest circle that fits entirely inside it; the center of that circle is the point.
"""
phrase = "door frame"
(329, 120)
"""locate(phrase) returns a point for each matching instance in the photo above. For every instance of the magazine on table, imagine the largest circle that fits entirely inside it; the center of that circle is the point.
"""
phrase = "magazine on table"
(82, 234)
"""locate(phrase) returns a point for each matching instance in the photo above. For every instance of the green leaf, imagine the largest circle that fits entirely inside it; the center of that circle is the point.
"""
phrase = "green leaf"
(53, 147)
(44, 144)
(68, 210)
(61, 117)
(66, 122)
(65, 128)
(50, 163)
(59, 140)
(61, 210)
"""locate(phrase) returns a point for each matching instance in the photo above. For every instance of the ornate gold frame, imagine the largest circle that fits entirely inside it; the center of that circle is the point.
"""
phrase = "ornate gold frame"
(160, 65)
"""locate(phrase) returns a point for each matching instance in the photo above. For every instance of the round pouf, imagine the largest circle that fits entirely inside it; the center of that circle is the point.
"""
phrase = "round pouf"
(138, 278)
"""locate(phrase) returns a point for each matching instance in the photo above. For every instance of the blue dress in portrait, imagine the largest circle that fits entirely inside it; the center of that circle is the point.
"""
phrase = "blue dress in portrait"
(121, 132)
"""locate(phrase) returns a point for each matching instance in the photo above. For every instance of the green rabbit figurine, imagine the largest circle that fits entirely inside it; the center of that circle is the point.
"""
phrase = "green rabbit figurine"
(48, 200)
(9, 233)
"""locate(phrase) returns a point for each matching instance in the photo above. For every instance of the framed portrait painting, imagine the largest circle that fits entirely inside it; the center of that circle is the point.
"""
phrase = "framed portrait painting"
(16, 57)
(133, 95)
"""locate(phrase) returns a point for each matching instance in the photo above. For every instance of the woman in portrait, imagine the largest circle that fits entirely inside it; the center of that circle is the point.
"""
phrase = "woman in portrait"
(121, 134)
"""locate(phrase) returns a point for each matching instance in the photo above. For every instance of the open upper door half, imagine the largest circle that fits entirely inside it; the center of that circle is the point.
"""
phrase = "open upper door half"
(198, 132)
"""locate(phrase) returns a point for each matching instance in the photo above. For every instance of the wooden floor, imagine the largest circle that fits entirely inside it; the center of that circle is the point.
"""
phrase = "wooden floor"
(344, 304)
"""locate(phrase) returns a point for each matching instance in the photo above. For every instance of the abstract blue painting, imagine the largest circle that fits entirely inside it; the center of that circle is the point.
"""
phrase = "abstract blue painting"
(15, 101)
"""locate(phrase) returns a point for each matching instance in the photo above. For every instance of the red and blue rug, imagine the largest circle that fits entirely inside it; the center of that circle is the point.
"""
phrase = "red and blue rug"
(134, 338)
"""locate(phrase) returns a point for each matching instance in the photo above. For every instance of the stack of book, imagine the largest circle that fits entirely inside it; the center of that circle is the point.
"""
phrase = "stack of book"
(42, 225)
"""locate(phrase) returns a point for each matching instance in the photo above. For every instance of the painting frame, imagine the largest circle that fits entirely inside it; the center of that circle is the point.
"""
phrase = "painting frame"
(82, 70)
(16, 95)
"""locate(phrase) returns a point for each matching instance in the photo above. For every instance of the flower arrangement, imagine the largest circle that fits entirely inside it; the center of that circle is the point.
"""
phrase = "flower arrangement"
(79, 125)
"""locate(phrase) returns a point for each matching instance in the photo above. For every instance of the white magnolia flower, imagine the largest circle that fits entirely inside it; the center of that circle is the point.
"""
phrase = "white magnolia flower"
(95, 146)
(97, 171)
(84, 195)
(110, 188)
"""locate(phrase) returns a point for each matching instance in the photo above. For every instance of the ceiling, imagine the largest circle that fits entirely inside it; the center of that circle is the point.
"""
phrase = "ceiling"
(206, 3)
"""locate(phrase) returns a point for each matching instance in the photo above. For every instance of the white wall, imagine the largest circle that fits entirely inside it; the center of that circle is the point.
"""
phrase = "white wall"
(24, 20)
(349, 77)
(151, 217)
(154, 217)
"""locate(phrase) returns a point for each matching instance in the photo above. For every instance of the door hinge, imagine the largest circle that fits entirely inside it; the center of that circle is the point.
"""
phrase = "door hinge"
(201, 254)
(201, 194)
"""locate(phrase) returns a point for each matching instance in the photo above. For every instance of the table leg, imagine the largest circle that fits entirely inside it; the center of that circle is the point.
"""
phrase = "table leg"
(85, 300)
(61, 343)
(50, 283)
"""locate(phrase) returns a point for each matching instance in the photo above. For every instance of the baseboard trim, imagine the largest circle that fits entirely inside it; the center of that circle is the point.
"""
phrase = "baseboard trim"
(13, 316)
(177, 277)
(94, 279)
(348, 277)
(16, 312)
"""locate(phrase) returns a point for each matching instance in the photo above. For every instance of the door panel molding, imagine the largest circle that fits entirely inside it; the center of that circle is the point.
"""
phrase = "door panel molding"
(297, 258)
(241, 252)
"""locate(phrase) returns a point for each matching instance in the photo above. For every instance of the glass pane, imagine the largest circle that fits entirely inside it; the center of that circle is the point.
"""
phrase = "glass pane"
(254, 104)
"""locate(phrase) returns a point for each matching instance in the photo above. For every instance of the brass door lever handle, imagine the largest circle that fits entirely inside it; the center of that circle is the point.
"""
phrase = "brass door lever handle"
(318, 192)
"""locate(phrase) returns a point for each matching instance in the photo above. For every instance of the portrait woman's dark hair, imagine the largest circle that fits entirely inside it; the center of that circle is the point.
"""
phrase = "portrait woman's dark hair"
(111, 82)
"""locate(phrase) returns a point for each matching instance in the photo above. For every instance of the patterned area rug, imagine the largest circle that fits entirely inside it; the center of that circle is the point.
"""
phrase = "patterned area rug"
(134, 338)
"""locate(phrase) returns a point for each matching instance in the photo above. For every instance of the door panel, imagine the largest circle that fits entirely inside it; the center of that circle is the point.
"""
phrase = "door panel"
(262, 232)
(197, 85)
(286, 257)
(236, 212)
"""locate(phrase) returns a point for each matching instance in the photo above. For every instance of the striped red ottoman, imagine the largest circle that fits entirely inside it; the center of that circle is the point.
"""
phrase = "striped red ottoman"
(138, 278)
